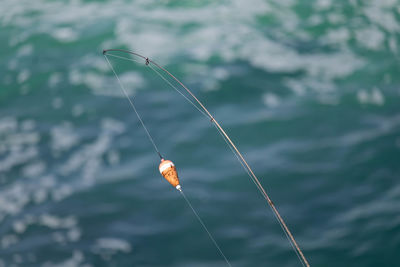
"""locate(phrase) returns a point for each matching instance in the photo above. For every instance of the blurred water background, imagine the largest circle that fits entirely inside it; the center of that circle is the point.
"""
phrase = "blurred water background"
(309, 90)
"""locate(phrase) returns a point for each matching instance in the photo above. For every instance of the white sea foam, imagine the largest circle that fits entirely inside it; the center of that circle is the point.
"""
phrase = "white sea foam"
(65, 35)
(77, 110)
(55, 222)
(54, 79)
(25, 50)
(8, 240)
(8, 124)
(271, 100)
(228, 32)
(19, 147)
(337, 36)
(374, 97)
(113, 157)
(28, 125)
(57, 103)
(63, 137)
(34, 169)
(371, 38)
(75, 260)
(23, 76)
(112, 245)
(382, 17)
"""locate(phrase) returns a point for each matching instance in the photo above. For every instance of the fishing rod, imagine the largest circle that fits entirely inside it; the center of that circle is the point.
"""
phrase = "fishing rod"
(202, 109)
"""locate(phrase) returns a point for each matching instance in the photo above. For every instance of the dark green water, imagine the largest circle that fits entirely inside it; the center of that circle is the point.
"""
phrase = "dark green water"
(309, 91)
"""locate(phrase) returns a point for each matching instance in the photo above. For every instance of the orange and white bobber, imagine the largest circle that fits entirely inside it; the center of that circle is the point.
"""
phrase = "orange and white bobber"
(168, 171)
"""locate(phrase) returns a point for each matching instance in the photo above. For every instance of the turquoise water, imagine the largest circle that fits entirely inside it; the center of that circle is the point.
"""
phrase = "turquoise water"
(309, 91)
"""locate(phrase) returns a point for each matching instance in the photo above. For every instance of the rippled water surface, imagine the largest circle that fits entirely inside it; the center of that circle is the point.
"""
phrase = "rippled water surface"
(309, 90)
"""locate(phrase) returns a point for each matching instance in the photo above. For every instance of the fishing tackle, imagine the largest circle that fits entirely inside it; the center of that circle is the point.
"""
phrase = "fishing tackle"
(168, 171)
(167, 168)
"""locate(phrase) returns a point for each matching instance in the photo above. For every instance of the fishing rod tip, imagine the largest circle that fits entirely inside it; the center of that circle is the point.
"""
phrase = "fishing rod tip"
(104, 51)
(179, 187)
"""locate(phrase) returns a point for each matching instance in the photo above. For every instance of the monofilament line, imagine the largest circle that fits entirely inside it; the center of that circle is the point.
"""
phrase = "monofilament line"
(165, 80)
(235, 151)
(134, 108)
(176, 89)
(205, 228)
(249, 171)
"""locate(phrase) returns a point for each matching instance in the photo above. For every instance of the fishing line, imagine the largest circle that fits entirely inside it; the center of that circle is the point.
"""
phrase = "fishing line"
(176, 89)
(125, 58)
(166, 80)
(241, 163)
(205, 228)
(156, 148)
(134, 108)
(234, 149)
(280, 220)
